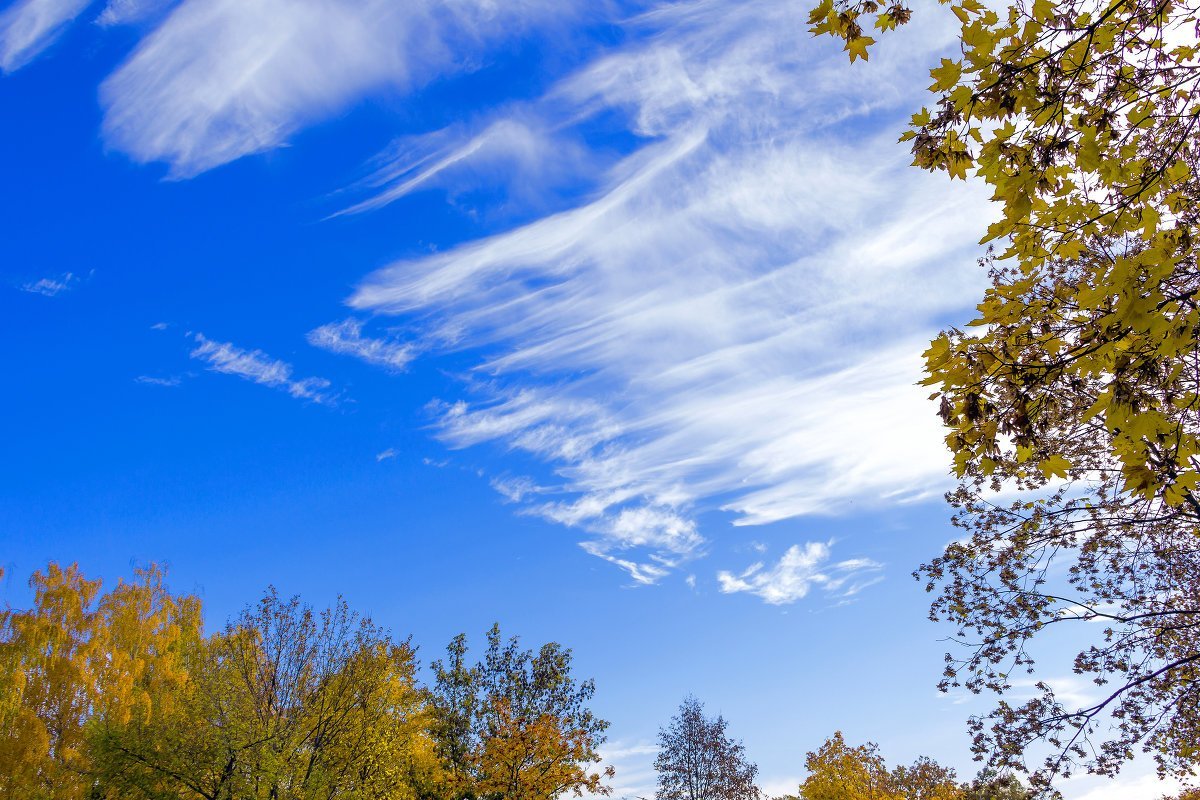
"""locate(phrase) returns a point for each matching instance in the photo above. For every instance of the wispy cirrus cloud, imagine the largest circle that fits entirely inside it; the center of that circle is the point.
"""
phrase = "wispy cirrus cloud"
(733, 319)
(127, 12)
(799, 571)
(152, 380)
(27, 27)
(221, 79)
(51, 287)
(632, 760)
(347, 338)
(258, 367)
(734, 316)
(512, 151)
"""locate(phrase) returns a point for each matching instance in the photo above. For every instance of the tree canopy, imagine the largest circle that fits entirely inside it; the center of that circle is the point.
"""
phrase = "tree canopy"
(122, 695)
(283, 702)
(838, 771)
(79, 655)
(1078, 384)
(516, 724)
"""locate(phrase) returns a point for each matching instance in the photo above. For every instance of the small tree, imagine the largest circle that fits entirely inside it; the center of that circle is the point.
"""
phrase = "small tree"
(698, 761)
(989, 785)
(78, 659)
(838, 771)
(926, 780)
(284, 703)
(515, 725)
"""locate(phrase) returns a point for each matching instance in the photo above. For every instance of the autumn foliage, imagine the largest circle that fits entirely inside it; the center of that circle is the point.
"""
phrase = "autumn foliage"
(123, 695)
(840, 771)
(79, 657)
(1076, 389)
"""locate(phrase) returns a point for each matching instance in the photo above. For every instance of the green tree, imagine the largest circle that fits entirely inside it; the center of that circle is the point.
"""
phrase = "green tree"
(456, 708)
(516, 724)
(284, 703)
(1080, 381)
(926, 779)
(697, 760)
(989, 785)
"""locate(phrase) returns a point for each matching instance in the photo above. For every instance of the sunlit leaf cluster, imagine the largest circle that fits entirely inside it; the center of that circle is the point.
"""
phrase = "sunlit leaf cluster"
(1082, 117)
(515, 724)
(1076, 388)
(840, 771)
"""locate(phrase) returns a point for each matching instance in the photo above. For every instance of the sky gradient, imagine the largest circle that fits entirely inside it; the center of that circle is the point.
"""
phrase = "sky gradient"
(598, 319)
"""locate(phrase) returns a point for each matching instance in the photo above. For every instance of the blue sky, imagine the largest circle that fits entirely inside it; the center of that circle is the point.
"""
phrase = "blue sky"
(599, 319)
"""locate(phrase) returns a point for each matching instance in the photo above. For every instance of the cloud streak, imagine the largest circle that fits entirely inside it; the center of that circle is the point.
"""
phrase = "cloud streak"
(734, 316)
(151, 380)
(28, 27)
(346, 338)
(128, 12)
(635, 776)
(51, 287)
(730, 316)
(798, 572)
(221, 79)
(258, 367)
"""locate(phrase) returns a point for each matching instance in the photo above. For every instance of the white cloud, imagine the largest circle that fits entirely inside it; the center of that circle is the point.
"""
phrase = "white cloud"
(511, 151)
(515, 490)
(150, 380)
(257, 367)
(780, 786)
(642, 572)
(730, 319)
(50, 287)
(220, 79)
(1073, 691)
(669, 537)
(798, 571)
(346, 338)
(1136, 782)
(733, 318)
(385, 454)
(28, 27)
(127, 12)
(633, 761)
